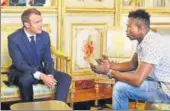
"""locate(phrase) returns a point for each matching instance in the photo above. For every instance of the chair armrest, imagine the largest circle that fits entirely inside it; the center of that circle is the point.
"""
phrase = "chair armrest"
(58, 53)
(63, 62)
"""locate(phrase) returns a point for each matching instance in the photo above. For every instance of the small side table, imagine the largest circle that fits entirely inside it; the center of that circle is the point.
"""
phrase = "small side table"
(42, 105)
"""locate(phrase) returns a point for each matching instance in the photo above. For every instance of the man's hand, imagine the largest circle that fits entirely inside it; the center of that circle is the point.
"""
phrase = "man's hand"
(100, 69)
(52, 77)
(104, 61)
(48, 80)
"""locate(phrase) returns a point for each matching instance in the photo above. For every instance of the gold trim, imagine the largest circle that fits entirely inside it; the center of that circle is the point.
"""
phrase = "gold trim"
(160, 23)
(59, 24)
(89, 14)
(150, 10)
(160, 26)
(19, 14)
(89, 9)
(62, 40)
(117, 12)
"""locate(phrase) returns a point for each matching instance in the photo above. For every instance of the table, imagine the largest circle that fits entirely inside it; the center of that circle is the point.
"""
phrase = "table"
(41, 105)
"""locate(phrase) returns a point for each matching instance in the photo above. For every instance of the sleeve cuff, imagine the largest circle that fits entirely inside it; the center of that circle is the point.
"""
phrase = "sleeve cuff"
(109, 74)
(37, 75)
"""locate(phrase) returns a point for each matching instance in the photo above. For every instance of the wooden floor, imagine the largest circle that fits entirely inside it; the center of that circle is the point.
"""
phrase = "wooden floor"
(90, 94)
(132, 106)
(85, 95)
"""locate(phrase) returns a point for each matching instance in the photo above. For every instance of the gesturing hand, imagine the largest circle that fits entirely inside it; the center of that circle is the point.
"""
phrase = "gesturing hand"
(104, 61)
(100, 69)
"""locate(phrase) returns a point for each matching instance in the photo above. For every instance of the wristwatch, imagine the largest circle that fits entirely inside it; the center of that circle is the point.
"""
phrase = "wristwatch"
(109, 74)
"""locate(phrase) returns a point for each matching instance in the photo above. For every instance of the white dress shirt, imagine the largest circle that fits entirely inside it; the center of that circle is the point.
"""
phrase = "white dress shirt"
(37, 73)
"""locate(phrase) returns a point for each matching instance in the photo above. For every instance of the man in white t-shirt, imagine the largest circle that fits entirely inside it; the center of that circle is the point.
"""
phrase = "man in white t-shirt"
(151, 80)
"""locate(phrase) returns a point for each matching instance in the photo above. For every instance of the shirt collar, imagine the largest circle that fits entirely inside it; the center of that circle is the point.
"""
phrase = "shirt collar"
(144, 41)
(147, 36)
(29, 35)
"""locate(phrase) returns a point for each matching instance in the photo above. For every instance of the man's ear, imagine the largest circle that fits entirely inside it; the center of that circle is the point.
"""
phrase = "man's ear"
(26, 24)
(140, 28)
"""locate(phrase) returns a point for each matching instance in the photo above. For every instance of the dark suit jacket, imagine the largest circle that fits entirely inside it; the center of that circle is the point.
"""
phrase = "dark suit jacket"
(20, 51)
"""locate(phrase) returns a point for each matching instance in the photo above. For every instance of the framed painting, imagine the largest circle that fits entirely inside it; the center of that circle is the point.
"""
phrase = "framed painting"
(18, 2)
(7, 29)
(89, 3)
(31, 2)
(87, 44)
(117, 45)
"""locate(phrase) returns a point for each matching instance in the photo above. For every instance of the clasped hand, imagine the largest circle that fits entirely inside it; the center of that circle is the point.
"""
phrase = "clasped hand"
(102, 67)
(48, 80)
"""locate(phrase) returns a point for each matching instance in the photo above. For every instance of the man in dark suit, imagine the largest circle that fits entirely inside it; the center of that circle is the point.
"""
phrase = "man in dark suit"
(29, 48)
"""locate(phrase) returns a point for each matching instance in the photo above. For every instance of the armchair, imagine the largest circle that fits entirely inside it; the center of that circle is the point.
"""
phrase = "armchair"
(11, 93)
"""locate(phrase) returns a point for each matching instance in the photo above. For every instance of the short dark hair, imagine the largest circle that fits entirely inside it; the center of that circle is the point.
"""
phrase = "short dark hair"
(26, 14)
(141, 15)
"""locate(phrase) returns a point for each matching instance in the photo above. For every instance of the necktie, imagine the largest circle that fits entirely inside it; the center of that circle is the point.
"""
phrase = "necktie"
(34, 52)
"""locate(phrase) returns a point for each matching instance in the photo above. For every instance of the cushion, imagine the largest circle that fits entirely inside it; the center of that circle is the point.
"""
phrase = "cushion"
(9, 93)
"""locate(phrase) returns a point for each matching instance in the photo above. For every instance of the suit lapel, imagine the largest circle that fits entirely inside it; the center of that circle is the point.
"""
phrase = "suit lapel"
(27, 43)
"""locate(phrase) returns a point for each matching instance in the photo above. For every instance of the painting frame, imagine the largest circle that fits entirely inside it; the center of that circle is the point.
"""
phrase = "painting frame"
(90, 32)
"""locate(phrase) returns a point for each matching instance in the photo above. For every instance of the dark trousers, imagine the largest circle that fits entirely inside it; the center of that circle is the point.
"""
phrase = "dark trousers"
(26, 81)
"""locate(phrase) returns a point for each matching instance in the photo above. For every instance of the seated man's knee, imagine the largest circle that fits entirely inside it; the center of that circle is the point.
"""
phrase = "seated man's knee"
(25, 80)
(63, 77)
(120, 87)
(67, 77)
